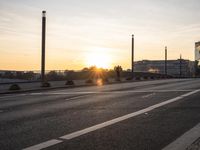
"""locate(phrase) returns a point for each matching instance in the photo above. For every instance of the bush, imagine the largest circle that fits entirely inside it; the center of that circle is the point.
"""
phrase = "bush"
(137, 78)
(129, 78)
(152, 78)
(105, 80)
(118, 79)
(46, 84)
(69, 82)
(14, 87)
(145, 78)
(89, 81)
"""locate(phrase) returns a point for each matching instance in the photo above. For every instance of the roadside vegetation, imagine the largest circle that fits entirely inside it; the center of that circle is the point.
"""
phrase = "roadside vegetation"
(90, 75)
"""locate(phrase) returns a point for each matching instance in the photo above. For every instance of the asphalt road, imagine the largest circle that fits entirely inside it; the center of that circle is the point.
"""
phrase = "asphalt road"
(146, 115)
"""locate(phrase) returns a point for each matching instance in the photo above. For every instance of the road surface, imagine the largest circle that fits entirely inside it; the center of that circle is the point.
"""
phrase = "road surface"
(146, 115)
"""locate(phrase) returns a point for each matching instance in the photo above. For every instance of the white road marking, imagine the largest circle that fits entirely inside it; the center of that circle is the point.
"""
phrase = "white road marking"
(73, 98)
(43, 145)
(35, 93)
(185, 140)
(117, 92)
(146, 96)
(110, 122)
(12, 96)
(158, 91)
(92, 92)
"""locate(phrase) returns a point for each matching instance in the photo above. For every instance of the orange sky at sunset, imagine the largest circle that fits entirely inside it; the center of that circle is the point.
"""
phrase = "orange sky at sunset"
(95, 32)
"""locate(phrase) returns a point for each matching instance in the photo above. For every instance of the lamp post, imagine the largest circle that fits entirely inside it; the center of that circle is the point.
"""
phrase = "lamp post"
(43, 46)
(132, 56)
(166, 61)
(180, 65)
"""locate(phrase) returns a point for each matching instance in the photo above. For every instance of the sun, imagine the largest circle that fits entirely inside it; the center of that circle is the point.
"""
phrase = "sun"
(99, 59)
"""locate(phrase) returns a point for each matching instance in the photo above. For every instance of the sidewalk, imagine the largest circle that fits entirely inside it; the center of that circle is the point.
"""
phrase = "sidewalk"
(190, 140)
(195, 145)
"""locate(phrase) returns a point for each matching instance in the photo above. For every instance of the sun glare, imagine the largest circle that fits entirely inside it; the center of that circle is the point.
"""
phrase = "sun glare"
(99, 59)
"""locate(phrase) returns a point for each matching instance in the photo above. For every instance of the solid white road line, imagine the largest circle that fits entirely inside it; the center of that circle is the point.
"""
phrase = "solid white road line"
(110, 92)
(185, 140)
(12, 96)
(90, 92)
(119, 119)
(35, 93)
(43, 145)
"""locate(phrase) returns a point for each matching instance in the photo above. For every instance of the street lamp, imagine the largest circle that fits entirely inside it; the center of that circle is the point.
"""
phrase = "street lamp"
(44, 82)
(43, 46)
(166, 61)
(132, 56)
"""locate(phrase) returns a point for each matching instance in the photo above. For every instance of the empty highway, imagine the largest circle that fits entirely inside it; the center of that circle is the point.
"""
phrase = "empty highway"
(145, 115)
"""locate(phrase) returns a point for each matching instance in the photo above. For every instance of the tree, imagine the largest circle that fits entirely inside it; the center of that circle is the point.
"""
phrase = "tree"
(19, 74)
(85, 69)
(70, 75)
(53, 75)
(118, 70)
(8, 74)
(29, 75)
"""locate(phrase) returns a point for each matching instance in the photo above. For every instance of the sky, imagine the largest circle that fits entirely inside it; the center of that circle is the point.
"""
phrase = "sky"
(81, 33)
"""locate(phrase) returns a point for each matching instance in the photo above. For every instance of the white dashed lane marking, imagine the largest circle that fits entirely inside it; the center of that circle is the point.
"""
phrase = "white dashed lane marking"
(77, 97)
(149, 95)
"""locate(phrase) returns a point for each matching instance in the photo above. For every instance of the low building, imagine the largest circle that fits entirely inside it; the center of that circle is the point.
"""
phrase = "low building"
(177, 68)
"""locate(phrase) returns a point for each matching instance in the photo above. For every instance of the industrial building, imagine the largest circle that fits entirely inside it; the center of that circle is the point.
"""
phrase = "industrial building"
(177, 68)
(197, 51)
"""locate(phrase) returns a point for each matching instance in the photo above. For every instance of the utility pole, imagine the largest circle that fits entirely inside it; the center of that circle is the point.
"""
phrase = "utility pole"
(180, 65)
(43, 46)
(132, 58)
(166, 61)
